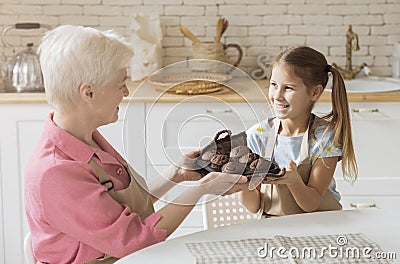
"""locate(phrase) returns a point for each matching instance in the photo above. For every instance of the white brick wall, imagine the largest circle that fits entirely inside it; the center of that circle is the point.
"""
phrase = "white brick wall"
(257, 25)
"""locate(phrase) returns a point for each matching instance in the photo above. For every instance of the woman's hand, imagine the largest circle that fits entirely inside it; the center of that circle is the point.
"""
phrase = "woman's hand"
(187, 175)
(161, 183)
(185, 169)
(223, 183)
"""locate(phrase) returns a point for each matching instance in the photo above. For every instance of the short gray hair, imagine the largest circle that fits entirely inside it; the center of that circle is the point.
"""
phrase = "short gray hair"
(73, 55)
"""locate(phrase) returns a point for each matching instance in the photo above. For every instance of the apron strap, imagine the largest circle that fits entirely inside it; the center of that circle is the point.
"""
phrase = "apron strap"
(269, 151)
(304, 143)
(304, 146)
(103, 178)
(106, 259)
(105, 181)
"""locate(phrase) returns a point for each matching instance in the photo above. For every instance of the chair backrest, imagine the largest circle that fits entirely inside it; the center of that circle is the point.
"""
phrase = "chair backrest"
(224, 210)
(28, 253)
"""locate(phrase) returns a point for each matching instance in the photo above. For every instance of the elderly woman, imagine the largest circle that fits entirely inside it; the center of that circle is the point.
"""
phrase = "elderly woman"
(84, 203)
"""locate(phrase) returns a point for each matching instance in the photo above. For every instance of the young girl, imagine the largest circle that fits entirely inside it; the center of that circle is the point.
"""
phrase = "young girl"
(308, 146)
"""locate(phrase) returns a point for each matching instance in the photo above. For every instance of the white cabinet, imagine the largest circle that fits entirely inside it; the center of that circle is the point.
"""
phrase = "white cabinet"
(375, 128)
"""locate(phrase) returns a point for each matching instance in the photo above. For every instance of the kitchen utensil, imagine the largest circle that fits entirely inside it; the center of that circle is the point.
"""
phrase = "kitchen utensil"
(222, 25)
(225, 25)
(218, 30)
(187, 33)
(23, 72)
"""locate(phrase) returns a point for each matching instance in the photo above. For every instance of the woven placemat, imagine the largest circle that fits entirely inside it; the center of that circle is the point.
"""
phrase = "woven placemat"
(339, 248)
(189, 83)
(193, 88)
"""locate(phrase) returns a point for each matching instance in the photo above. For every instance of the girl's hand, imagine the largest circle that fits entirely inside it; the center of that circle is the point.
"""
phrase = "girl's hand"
(290, 177)
(223, 183)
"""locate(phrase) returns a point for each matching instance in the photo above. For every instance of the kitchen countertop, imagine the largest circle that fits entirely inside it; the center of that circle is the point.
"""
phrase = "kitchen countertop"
(245, 90)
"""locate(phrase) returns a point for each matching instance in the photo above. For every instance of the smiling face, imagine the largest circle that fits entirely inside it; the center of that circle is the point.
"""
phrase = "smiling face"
(289, 96)
(109, 98)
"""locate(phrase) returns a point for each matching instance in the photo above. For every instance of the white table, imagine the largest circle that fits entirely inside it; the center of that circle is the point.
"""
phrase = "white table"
(381, 226)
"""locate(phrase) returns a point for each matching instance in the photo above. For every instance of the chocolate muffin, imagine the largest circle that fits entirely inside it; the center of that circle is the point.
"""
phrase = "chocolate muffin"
(208, 155)
(215, 167)
(239, 151)
(248, 158)
(218, 160)
(234, 168)
(260, 164)
(274, 169)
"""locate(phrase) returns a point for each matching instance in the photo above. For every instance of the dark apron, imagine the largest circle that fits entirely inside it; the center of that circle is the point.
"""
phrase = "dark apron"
(276, 199)
(135, 196)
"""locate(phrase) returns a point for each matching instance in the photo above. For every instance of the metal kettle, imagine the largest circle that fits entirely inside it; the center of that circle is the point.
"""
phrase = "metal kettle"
(23, 72)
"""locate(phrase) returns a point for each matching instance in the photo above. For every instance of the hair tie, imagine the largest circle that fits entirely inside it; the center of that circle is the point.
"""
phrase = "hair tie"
(328, 68)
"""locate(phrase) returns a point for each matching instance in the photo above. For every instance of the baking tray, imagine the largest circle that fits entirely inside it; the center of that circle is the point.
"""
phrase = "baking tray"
(223, 146)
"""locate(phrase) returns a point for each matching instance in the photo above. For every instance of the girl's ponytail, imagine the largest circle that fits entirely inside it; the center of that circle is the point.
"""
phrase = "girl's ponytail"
(340, 119)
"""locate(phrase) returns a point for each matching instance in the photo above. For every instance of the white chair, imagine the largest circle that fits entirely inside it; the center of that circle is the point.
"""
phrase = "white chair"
(28, 253)
(224, 210)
